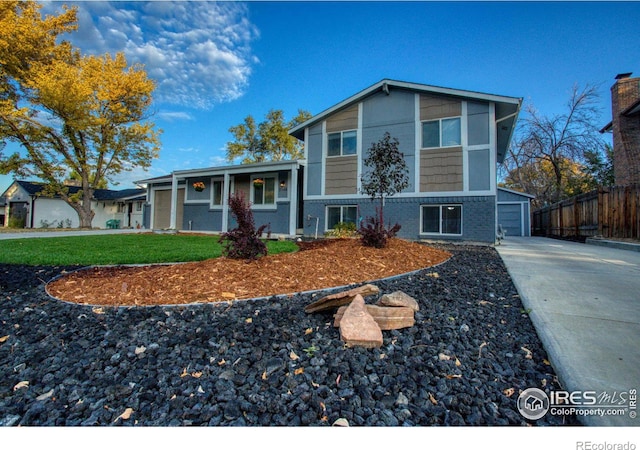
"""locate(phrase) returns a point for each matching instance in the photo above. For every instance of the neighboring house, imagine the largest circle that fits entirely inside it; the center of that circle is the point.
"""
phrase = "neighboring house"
(30, 209)
(452, 141)
(625, 127)
(271, 187)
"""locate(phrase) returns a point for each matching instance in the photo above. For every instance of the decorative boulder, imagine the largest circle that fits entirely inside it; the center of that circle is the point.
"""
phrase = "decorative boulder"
(398, 298)
(340, 298)
(358, 328)
(387, 317)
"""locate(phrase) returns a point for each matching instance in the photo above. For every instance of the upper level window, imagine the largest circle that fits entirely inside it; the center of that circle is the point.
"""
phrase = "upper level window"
(264, 191)
(441, 133)
(342, 143)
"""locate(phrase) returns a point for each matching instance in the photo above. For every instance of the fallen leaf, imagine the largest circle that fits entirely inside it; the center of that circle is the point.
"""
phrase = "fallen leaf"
(228, 295)
(308, 331)
(196, 374)
(314, 384)
(452, 376)
(222, 362)
(443, 357)
(140, 349)
(184, 373)
(485, 302)
(458, 363)
(264, 375)
(22, 384)
(248, 320)
(125, 415)
(4, 338)
(293, 356)
(200, 390)
(509, 392)
(298, 371)
(433, 275)
(543, 382)
(97, 310)
(338, 379)
(45, 396)
(528, 354)
(432, 399)
(484, 344)
(547, 362)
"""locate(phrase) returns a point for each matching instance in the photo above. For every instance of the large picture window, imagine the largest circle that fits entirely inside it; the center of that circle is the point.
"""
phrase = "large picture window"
(441, 133)
(337, 214)
(342, 143)
(442, 219)
(264, 192)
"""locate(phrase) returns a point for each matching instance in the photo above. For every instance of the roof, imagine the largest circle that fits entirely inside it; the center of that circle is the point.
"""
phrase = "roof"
(507, 108)
(220, 170)
(511, 191)
(35, 188)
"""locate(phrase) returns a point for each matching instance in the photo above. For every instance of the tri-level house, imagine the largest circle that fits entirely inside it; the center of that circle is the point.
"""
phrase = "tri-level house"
(452, 141)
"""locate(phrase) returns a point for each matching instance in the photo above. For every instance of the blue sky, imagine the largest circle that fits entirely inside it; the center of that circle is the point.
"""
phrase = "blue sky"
(214, 64)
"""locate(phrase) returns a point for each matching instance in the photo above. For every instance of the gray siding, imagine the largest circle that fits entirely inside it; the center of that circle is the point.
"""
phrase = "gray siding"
(202, 218)
(313, 172)
(393, 113)
(480, 170)
(478, 216)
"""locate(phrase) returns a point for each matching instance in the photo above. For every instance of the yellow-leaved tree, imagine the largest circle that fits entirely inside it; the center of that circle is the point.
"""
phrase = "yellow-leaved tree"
(70, 113)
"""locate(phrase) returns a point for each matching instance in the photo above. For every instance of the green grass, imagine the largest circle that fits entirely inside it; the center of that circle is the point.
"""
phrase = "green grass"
(118, 249)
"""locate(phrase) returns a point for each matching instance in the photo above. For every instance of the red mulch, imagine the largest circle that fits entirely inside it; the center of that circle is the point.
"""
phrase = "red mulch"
(318, 265)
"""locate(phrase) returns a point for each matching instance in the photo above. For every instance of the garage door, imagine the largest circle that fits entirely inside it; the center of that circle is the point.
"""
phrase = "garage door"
(510, 217)
(162, 209)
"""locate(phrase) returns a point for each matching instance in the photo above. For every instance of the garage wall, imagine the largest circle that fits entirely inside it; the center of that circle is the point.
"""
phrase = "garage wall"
(514, 212)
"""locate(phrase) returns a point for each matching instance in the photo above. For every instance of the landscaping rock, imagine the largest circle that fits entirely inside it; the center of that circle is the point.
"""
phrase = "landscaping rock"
(387, 318)
(357, 327)
(203, 342)
(398, 298)
(341, 298)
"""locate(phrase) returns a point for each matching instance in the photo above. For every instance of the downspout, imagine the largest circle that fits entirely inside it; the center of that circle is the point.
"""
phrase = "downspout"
(32, 209)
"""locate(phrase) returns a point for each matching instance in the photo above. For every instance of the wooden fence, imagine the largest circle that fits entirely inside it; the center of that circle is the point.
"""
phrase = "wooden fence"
(611, 212)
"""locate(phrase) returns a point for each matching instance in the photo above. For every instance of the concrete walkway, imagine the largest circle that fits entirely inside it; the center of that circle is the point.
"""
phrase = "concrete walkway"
(585, 304)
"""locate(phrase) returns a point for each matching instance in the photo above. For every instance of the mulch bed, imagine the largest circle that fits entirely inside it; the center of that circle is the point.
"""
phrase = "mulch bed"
(318, 265)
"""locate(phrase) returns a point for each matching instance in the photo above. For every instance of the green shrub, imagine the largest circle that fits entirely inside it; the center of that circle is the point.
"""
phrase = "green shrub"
(16, 222)
(343, 230)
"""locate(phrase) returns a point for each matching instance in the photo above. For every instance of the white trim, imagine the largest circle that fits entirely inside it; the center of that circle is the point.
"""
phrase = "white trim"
(464, 142)
(359, 149)
(404, 195)
(511, 191)
(293, 202)
(323, 162)
(417, 143)
(226, 189)
(173, 217)
(493, 150)
(212, 205)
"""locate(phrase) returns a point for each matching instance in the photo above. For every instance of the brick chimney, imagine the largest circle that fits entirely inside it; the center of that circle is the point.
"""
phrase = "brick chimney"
(626, 129)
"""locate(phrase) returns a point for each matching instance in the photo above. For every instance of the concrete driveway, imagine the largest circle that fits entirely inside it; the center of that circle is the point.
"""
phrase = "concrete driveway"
(41, 234)
(585, 304)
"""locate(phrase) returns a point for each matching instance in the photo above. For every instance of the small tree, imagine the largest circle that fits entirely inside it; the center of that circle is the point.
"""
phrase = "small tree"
(387, 175)
(243, 242)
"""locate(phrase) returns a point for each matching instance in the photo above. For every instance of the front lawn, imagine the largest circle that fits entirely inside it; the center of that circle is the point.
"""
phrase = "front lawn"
(133, 248)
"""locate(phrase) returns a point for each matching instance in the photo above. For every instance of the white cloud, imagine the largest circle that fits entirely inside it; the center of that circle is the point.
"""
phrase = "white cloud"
(172, 116)
(198, 52)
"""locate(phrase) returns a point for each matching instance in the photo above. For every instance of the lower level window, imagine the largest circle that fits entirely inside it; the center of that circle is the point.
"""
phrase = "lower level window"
(442, 219)
(337, 214)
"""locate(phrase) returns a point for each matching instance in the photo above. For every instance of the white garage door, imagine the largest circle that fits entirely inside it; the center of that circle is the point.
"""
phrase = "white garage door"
(510, 217)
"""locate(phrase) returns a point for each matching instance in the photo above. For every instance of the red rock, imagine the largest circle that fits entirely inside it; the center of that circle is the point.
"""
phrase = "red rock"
(358, 328)
(387, 317)
(341, 298)
(398, 298)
